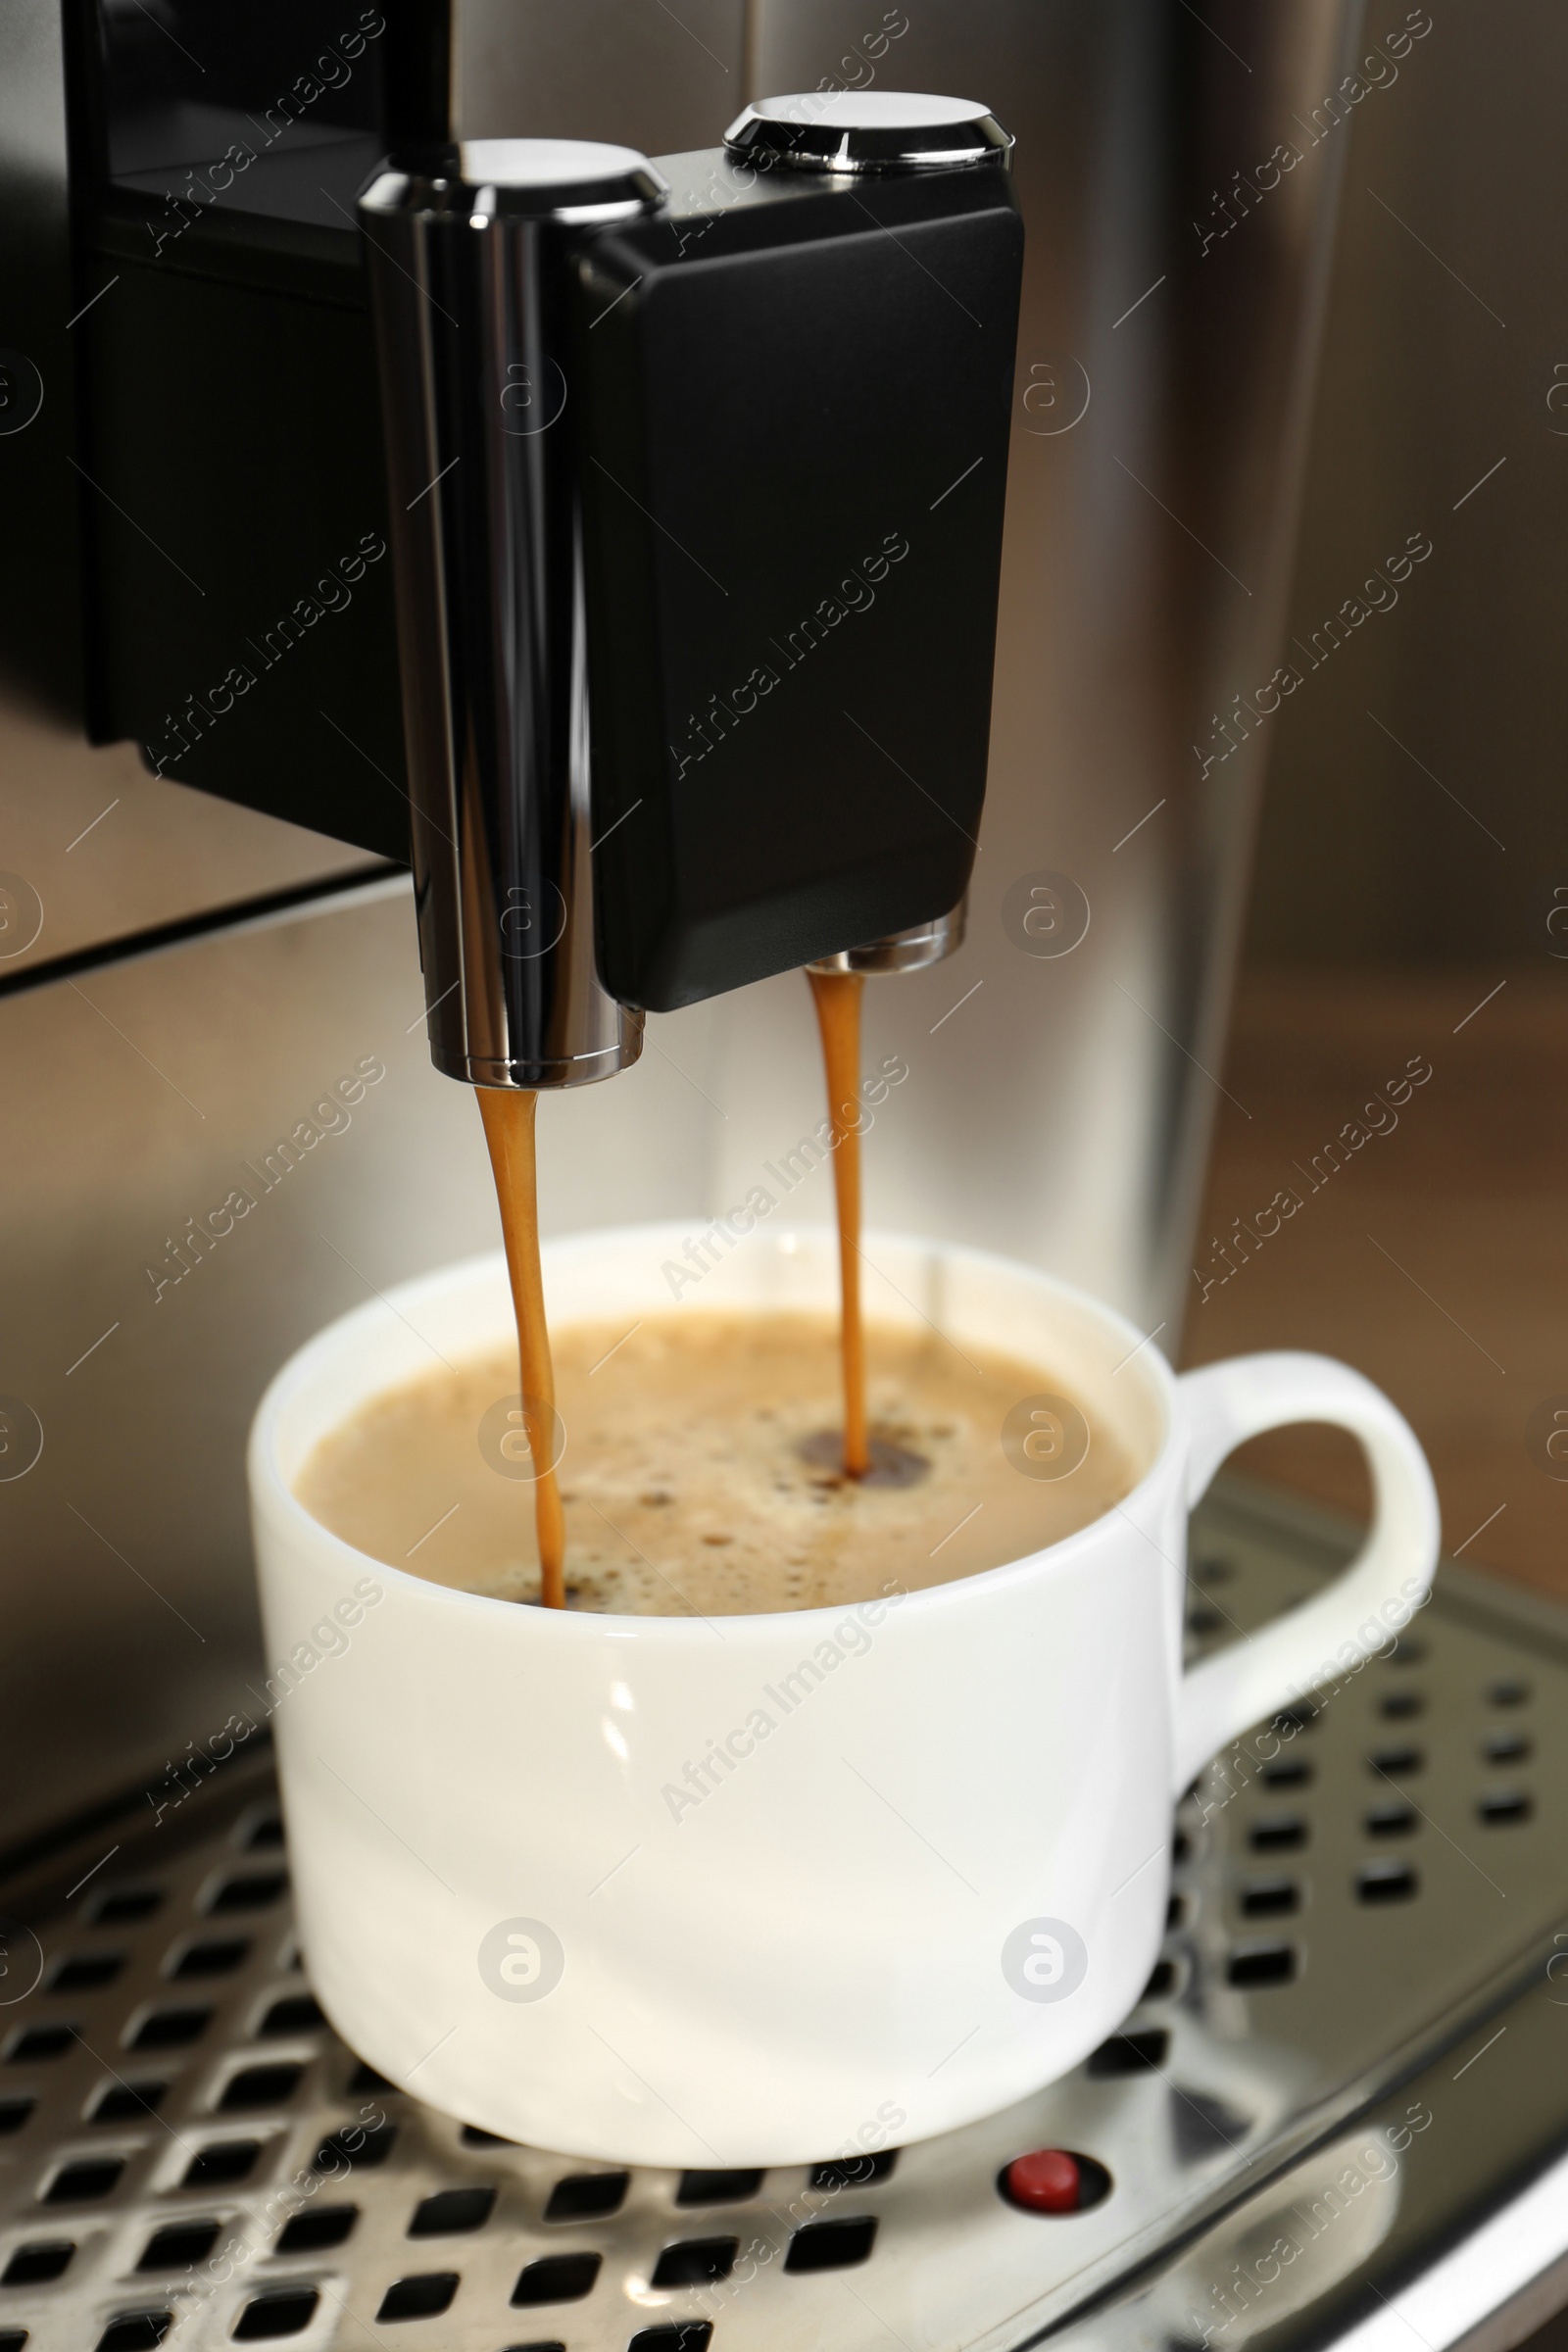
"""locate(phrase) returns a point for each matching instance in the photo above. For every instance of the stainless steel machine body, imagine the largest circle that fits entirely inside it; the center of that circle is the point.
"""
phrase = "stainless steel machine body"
(1175, 273)
(1058, 1090)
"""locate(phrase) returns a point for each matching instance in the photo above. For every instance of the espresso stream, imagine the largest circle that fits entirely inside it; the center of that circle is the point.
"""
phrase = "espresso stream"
(837, 996)
(716, 1461)
(509, 1115)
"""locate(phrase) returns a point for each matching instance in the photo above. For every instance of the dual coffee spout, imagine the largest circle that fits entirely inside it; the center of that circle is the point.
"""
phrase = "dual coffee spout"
(697, 478)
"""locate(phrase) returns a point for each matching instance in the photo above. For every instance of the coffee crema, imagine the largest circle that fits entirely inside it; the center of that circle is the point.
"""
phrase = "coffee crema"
(695, 1479)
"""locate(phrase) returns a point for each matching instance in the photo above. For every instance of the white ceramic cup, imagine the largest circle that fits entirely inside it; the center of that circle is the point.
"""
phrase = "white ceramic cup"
(932, 1883)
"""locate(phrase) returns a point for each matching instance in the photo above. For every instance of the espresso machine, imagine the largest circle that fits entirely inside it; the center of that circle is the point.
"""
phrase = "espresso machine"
(510, 494)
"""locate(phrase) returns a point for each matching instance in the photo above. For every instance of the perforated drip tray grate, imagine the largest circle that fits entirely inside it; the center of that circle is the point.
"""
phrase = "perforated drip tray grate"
(191, 2158)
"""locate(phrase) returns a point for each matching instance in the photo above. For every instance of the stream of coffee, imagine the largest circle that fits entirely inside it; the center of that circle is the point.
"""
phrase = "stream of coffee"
(837, 996)
(508, 1114)
(714, 1449)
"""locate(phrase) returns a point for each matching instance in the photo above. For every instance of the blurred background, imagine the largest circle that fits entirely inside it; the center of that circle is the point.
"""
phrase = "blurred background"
(1414, 834)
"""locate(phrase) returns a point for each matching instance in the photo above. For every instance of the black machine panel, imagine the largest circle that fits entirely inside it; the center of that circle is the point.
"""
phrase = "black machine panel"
(795, 394)
(208, 458)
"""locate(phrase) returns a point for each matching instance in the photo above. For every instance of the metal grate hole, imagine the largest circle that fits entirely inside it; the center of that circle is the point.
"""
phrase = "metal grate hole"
(422, 2297)
(696, 2262)
(556, 2279)
(554, 2345)
(1404, 1653)
(1299, 1718)
(1204, 1618)
(1263, 1964)
(79, 2182)
(1214, 1569)
(1130, 2053)
(835, 2245)
(1385, 1883)
(213, 1958)
(366, 2079)
(312, 2232)
(14, 2113)
(169, 2029)
(355, 2145)
(122, 1907)
(86, 1972)
(685, 2335)
(180, 2246)
(11, 2340)
(1396, 1763)
(451, 2211)
(471, 2136)
(586, 2196)
(1506, 1747)
(1391, 1821)
(1162, 1981)
(301, 2013)
(1398, 1706)
(266, 1833)
(1504, 1806)
(227, 2160)
(1181, 1848)
(1509, 1693)
(1202, 2125)
(717, 2189)
(1270, 1899)
(1287, 1771)
(133, 2332)
(41, 2041)
(854, 2171)
(286, 2310)
(1175, 1912)
(1285, 1833)
(35, 2264)
(260, 2086)
(252, 1892)
(128, 2102)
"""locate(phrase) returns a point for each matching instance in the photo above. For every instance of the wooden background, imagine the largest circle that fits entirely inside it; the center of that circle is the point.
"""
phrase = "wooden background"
(1436, 1259)
(1414, 836)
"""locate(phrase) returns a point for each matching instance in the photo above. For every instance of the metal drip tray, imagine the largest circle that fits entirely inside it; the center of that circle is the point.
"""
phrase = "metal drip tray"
(191, 2158)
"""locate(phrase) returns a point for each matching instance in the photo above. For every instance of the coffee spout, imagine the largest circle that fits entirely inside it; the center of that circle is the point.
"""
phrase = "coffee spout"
(469, 250)
(902, 951)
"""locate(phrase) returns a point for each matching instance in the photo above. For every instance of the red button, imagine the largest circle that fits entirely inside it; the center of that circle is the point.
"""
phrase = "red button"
(1048, 2181)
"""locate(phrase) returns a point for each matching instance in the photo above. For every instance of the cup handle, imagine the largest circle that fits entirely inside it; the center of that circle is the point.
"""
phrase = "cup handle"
(1389, 1579)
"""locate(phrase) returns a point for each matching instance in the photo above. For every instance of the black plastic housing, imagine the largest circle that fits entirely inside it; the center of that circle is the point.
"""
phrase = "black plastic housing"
(795, 393)
(201, 498)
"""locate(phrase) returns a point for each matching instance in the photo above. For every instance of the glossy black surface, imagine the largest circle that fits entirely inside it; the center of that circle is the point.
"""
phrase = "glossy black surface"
(798, 419)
